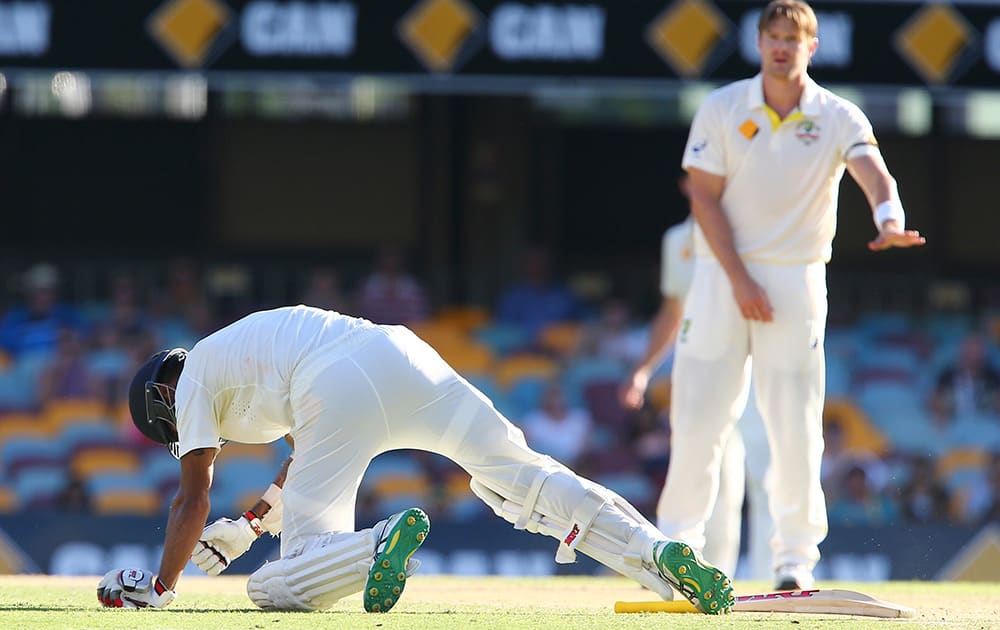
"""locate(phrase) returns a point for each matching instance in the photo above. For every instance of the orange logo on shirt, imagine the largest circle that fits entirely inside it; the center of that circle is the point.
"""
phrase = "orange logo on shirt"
(749, 129)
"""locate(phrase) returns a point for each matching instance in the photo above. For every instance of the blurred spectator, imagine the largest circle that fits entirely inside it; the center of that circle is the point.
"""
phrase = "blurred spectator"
(557, 429)
(970, 387)
(858, 504)
(323, 290)
(536, 299)
(390, 295)
(983, 499)
(108, 364)
(180, 313)
(924, 499)
(126, 316)
(651, 443)
(613, 335)
(74, 497)
(67, 374)
(835, 455)
(34, 326)
(837, 459)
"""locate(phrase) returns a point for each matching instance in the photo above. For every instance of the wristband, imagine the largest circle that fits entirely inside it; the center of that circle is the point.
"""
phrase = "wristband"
(273, 496)
(254, 522)
(890, 210)
(271, 521)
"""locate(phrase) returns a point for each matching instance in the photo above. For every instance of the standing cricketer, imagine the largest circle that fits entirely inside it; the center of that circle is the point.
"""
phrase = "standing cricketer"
(765, 157)
(345, 390)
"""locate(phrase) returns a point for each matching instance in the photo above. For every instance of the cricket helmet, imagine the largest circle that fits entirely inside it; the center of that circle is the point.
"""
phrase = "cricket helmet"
(152, 411)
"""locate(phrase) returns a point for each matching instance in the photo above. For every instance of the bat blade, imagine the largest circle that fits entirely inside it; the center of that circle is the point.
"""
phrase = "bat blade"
(813, 601)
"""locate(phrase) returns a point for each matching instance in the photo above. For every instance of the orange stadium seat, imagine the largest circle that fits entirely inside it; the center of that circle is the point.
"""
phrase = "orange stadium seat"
(658, 393)
(8, 500)
(92, 461)
(465, 318)
(859, 434)
(133, 501)
(60, 412)
(560, 338)
(439, 335)
(23, 425)
(961, 464)
(469, 358)
(238, 450)
(517, 366)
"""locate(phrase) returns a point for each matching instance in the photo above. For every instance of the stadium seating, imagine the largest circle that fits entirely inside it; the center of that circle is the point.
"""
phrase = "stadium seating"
(96, 460)
(138, 502)
(516, 367)
(63, 412)
(9, 500)
(559, 338)
(503, 339)
(40, 485)
(24, 451)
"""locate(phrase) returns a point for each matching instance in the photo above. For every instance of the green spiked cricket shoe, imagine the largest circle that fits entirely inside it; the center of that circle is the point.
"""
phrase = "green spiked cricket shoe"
(703, 585)
(398, 537)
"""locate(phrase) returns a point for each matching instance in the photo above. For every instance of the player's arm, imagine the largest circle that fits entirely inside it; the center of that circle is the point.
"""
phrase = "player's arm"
(706, 206)
(136, 588)
(188, 513)
(226, 539)
(872, 175)
(662, 332)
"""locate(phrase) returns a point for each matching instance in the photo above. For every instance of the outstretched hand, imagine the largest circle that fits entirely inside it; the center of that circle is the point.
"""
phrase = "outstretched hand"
(887, 239)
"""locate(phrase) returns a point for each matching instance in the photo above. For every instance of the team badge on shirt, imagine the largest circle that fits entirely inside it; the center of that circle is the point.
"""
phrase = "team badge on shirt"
(807, 131)
(749, 129)
(698, 147)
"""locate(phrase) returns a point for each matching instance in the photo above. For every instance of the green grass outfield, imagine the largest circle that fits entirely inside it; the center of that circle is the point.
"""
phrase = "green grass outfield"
(444, 603)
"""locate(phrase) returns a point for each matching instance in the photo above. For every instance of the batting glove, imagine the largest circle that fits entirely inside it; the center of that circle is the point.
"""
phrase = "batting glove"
(133, 588)
(225, 540)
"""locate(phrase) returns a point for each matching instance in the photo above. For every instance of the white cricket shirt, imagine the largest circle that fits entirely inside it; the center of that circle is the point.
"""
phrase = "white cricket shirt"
(782, 177)
(235, 383)
(677, 260)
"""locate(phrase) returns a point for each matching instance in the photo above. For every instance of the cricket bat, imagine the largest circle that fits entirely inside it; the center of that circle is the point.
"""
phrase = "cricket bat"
(813, 601)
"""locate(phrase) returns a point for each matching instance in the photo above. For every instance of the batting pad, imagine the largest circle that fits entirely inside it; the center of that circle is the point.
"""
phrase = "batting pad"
(582, 516)
(327, 569)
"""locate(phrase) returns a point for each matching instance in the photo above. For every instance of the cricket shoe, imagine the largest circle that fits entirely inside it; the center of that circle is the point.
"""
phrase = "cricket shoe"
(703, 585)
(398, 537)
(793, 577)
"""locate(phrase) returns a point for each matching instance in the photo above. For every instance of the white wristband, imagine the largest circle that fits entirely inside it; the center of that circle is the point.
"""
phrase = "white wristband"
(890, 210)
(272, 520)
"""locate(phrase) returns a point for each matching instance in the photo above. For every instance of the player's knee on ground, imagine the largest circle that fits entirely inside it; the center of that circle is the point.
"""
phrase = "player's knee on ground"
(325, 570)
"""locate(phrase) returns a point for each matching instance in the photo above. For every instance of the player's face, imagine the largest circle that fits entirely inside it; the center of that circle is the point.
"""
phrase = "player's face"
(785, 50)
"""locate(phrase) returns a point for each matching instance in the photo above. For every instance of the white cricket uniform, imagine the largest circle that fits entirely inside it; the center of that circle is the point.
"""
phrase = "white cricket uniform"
(780, 197)
(348, 390)
(746, 456)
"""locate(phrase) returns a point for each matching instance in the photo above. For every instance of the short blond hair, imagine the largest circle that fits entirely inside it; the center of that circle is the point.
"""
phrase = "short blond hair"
(797, 12)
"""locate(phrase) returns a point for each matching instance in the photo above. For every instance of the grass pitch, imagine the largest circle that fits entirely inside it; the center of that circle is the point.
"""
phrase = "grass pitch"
(445, 603)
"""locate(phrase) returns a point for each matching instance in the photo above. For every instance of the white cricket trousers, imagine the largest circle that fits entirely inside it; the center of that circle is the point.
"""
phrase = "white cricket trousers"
(710, 385)
(742, 475)
(381, 390)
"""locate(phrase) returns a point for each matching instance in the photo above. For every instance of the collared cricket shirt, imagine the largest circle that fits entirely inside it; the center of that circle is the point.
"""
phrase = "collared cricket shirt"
(782, 176)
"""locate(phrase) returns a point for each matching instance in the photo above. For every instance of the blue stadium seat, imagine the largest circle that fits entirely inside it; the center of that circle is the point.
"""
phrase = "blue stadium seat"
(502, 338)
(586, 370)
(18, 452)
(40, 484)
(93, 433)
(101, 483)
